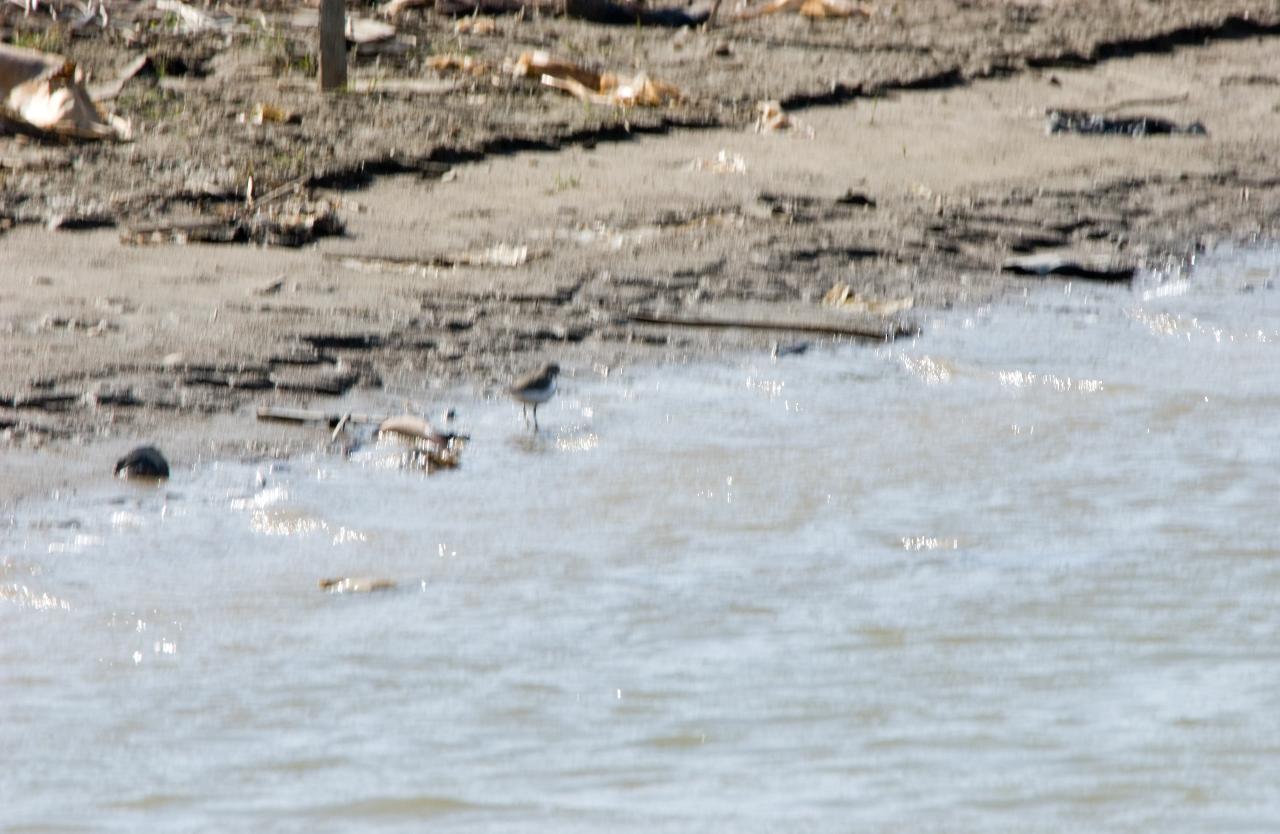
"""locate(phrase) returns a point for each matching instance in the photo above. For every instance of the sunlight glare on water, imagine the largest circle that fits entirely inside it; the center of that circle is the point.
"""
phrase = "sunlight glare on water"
(1020, 574)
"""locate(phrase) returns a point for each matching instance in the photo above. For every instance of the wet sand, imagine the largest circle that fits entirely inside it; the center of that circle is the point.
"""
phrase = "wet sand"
(905, 195)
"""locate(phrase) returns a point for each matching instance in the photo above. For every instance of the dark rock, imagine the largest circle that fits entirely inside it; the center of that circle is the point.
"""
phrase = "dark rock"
(143, 462)
(788, 349)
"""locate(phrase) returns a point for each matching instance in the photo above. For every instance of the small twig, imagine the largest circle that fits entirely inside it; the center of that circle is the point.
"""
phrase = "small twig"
(342, 424)
(280, 191)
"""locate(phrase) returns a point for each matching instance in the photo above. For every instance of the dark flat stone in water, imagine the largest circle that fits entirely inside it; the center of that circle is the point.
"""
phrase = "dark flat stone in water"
(788, 349)
(143, 462)
(1095, 124)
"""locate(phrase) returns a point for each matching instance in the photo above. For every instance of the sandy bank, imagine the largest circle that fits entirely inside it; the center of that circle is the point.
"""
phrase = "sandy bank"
(920, 195)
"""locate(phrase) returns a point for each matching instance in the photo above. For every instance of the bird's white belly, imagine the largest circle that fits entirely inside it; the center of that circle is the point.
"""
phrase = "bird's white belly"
(538, 395)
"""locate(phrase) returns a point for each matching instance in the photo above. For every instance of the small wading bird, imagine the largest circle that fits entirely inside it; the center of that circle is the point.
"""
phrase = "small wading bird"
(534, 389)
(441, 447)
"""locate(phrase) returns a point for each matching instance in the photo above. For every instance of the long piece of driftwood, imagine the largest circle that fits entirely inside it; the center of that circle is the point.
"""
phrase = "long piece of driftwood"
(892, 330)
(303, 415)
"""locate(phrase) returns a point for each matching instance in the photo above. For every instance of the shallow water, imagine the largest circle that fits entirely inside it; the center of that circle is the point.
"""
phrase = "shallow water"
(1021, 575)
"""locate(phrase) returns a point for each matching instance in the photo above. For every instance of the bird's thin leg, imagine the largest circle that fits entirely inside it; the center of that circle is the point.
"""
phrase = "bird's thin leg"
(535, 417)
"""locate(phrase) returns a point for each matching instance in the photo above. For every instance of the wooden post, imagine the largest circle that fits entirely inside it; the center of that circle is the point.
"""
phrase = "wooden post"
(333, 44)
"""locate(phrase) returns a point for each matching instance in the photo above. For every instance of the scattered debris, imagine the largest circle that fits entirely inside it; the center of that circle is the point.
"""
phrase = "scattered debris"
(808, 8)
(596, 88)
(724, 163)
(842, 297)
(476, 26)
(503, 255)
(1069, 266)
(1094, 124)
(194, 21)
(294, 222)
(144, 462)
(264, 113)
(356, 585)
(465, 64)
(43, 95)
(772, 118)
(540, 63)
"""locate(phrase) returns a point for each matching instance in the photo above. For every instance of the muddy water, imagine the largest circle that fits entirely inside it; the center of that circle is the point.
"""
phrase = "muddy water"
(1019, 575)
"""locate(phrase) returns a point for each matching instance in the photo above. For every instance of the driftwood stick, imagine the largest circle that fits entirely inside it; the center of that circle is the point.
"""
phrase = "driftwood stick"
(283, 190)
(303, 415)
(892, 330)
(342, 424)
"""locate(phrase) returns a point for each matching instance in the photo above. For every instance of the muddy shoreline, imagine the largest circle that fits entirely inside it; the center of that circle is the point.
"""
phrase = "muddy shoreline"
(524, 225)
